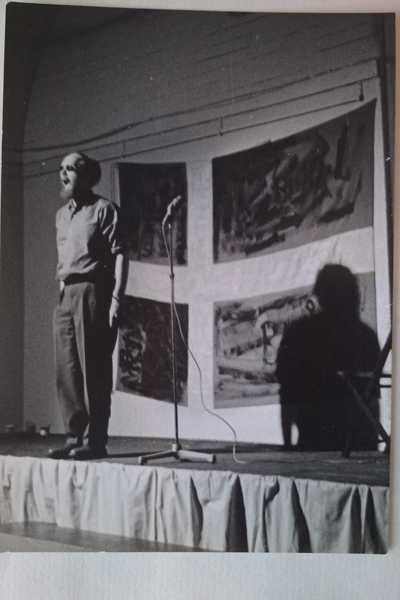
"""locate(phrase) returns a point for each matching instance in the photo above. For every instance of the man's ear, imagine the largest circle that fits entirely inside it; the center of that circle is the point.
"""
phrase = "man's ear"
(85, 182)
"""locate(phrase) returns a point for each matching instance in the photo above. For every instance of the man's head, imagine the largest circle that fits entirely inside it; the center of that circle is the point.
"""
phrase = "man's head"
(78, 174)
(337, 291)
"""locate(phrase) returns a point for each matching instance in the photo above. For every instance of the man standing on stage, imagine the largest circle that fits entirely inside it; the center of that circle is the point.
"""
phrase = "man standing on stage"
(92, 273)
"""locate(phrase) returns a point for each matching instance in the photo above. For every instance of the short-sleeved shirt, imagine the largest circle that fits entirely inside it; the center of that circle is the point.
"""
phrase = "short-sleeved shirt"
(88, 238)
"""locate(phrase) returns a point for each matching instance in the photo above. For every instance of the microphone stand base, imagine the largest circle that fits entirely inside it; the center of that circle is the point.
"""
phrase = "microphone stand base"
(179, 454)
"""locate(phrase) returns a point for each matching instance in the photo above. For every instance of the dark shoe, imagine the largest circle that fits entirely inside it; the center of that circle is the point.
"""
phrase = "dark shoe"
(88, 453)
(63, 452)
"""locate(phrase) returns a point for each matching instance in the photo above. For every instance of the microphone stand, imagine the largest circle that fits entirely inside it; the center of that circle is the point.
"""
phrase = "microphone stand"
(176, 450)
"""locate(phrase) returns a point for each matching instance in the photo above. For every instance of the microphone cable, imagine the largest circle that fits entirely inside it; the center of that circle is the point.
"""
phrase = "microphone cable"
(237, 460)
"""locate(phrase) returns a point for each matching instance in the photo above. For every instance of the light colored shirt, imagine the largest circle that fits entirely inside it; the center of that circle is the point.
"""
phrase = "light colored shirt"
(88, 238)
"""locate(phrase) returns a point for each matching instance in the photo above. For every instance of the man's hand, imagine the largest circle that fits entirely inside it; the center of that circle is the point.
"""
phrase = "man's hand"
(61, 292)
(121, 274)
(114, 309)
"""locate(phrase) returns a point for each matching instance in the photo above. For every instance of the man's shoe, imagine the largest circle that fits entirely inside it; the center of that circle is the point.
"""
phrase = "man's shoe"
(88, 453)
(63, 452)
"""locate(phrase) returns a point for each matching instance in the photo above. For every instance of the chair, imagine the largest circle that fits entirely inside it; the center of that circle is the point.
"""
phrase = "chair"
(373, 379)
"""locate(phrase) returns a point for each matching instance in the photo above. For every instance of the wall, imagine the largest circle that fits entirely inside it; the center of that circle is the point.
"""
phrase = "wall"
(26, 33)
(171, 86)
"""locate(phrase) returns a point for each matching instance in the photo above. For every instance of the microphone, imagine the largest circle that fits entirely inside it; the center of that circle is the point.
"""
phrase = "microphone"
(173, 206)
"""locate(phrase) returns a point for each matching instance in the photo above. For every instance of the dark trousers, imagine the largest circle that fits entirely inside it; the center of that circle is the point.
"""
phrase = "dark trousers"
(84, 344)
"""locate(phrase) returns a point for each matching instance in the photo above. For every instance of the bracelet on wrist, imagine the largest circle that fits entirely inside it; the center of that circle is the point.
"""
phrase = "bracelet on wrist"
(116, 298)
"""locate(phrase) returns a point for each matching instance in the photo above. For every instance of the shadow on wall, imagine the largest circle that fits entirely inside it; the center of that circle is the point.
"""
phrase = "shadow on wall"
(312, 352)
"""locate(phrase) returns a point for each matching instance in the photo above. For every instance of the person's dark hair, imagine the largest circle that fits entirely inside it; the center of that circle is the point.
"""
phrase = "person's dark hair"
(89, 168)
(337, 291)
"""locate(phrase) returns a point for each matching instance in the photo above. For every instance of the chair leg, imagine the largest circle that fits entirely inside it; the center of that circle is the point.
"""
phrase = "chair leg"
(375, 422)
(348, 442)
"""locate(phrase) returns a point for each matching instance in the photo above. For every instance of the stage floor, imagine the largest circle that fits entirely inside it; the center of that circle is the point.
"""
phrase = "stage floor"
(370, 468)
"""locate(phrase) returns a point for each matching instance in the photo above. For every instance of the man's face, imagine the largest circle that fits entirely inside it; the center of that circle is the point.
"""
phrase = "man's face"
(72, 182)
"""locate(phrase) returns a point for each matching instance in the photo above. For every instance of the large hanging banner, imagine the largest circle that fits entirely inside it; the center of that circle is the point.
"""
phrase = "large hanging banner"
(297, 190)
(145, 350)
(145, 192)
(247, 336)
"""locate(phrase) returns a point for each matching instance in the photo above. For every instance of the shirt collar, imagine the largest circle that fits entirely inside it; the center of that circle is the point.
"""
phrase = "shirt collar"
(74, 207)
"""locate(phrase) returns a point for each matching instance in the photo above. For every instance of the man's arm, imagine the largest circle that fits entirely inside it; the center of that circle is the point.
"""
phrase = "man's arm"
(120, 274)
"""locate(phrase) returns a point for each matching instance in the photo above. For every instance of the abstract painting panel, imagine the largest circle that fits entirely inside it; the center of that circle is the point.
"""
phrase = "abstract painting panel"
(297, 190)
(247, 335)
(145, 350)
(146, 190)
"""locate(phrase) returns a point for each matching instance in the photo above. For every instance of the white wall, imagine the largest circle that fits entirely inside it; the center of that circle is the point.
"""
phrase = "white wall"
(165, 87)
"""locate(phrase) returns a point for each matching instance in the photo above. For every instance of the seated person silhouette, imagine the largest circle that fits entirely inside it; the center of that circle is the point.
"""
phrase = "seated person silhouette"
(312, 352)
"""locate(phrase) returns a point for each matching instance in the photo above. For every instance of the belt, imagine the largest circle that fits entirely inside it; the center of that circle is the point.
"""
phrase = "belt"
(81, 278)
